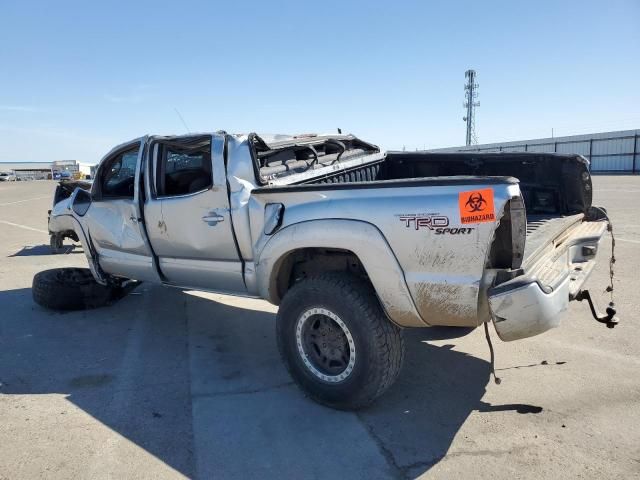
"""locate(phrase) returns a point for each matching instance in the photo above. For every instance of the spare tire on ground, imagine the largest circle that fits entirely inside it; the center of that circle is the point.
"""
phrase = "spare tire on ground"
(74, 289)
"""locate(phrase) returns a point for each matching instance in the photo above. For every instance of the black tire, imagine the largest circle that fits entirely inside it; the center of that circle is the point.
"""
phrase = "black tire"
(56, 243)
(378, 346)
(72, 289)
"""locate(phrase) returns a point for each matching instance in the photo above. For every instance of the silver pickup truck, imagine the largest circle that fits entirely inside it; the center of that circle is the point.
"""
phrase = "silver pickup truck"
(353, 243)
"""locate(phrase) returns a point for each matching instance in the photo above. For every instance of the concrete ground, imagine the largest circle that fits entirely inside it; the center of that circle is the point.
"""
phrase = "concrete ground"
(169, 384)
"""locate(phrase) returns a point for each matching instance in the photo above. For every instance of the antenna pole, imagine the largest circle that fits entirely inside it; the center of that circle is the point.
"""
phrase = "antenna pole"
(182, 120)
(470, 104)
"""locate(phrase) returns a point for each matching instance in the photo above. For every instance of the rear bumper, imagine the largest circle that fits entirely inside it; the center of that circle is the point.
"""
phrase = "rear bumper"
(534, 302)
(527, 310)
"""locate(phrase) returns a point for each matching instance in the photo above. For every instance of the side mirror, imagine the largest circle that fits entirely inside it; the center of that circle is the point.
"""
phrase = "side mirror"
(81, 201)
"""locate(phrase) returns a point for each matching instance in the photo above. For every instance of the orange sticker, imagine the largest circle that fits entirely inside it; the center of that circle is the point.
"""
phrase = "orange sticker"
(476, 206)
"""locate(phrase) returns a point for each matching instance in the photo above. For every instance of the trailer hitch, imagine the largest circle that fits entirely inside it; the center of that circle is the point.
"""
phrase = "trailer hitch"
(609, 318)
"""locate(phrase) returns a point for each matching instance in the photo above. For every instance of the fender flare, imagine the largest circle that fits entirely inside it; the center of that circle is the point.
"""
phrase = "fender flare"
(361, 238)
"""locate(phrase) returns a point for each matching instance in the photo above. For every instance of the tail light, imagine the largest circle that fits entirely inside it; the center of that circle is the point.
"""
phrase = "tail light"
(507, 249)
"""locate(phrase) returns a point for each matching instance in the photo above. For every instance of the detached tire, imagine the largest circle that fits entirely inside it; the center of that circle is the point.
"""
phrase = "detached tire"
(336, 341)
(72, 289)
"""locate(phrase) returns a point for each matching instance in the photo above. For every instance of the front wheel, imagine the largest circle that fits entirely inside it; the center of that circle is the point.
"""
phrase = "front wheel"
(56, 243)
(336, 341)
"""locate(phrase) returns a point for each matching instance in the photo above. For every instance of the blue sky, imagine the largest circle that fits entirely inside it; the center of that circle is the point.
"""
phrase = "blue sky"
(78, 77)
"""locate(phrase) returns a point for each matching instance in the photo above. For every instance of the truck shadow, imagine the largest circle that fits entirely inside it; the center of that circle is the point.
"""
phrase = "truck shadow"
(44, 250)
(174, 373)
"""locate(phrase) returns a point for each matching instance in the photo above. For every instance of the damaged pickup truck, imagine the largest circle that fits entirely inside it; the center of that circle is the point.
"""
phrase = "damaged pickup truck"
(353, 244)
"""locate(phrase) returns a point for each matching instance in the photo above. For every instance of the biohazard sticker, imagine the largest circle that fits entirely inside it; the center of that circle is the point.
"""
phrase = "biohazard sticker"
(476, 206)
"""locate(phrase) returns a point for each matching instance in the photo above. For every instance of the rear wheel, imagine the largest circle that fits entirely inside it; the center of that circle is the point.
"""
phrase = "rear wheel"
(73, 289)
(336, 341)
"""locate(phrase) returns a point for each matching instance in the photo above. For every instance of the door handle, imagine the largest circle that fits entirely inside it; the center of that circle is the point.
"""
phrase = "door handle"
(213, 219)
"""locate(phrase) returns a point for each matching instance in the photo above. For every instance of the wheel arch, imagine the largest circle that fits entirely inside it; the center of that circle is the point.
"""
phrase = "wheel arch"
(336, 245)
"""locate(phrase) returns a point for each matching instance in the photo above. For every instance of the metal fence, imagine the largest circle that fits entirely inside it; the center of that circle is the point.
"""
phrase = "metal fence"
(607, 152)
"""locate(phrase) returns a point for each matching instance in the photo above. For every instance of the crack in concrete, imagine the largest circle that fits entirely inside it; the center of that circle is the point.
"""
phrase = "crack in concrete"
(427, 464)
(490, 453)
(242, 392)
(398, 471)
(193, 450)
(477, 453)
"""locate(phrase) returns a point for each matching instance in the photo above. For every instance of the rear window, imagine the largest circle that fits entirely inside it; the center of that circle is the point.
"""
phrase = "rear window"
(184, 170)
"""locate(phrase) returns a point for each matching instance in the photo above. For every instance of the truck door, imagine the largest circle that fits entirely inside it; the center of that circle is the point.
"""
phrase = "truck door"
(112, 223)
(187, 214)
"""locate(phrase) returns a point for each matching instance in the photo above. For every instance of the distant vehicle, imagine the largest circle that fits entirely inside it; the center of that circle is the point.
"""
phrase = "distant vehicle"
(7, 177)
(64, 175)
(352, 242)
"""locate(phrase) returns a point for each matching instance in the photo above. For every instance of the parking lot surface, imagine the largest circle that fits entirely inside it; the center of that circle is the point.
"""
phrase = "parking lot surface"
(169, 383)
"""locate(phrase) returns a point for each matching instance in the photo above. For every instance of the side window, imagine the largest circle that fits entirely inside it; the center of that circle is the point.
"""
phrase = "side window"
(118, 177)
(184, 169)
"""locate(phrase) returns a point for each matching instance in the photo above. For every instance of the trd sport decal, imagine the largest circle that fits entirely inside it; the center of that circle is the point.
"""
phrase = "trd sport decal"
(476, 206)
(437, 223)
(424, 221)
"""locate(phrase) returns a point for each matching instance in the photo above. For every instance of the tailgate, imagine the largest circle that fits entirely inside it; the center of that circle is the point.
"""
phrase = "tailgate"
(555, 268)
(571, 254)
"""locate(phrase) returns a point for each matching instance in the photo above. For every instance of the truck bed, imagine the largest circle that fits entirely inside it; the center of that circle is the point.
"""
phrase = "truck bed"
(542, 229)
(555, 187)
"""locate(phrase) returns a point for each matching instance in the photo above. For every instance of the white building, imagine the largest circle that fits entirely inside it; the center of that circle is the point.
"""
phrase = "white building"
(44, 170)
(607, 151)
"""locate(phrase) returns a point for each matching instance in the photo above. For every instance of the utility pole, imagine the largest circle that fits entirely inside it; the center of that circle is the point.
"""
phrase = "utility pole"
(470, 95)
